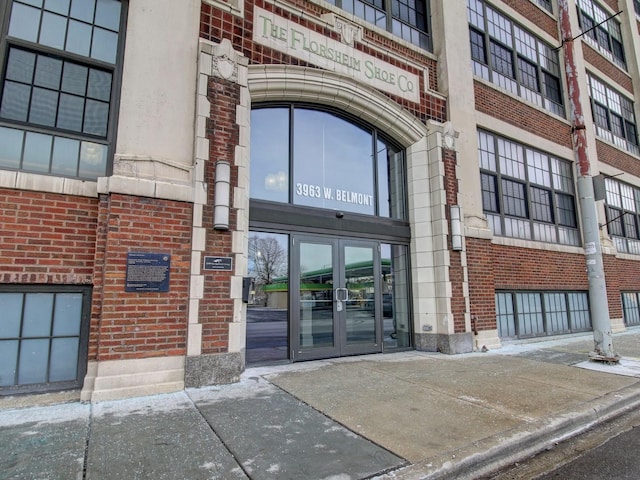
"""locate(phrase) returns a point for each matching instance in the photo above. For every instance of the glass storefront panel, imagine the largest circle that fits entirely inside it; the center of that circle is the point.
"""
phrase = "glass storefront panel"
(268, 308)
(313, 158)
(395, 296)
(270, 154)
(316, 295)
(332, 166)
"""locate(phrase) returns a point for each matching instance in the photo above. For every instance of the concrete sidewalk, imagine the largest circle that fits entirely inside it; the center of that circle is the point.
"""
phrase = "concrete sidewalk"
(403, 416)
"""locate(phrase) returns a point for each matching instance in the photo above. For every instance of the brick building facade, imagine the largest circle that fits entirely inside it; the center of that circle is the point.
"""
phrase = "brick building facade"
(187, 188)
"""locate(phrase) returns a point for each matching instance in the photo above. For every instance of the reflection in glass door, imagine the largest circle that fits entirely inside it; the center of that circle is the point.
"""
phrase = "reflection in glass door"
(337, 282)
(315, 293)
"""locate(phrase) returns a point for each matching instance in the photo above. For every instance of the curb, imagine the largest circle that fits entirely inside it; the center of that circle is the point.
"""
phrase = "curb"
(519, 443)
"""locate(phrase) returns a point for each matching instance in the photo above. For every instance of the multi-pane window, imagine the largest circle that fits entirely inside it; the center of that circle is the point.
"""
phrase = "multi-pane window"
(526, 193)
(533, 314)
(606, 36)
(408, 19)
(43, 337)
(509, 56)
(546, 4)
(623, 215)
(613, 115)
(61, 61)
(631, 308)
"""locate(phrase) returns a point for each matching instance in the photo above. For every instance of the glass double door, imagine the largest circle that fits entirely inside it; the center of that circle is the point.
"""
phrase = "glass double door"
(336, 288)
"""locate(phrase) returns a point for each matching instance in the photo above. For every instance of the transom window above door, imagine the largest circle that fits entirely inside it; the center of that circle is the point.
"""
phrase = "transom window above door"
(313, 158)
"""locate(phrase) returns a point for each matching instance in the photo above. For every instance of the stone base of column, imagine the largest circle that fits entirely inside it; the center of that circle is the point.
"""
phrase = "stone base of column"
(451, 344)
(215, 369)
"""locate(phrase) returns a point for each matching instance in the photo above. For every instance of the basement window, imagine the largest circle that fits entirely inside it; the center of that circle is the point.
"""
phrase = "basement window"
(525, 314)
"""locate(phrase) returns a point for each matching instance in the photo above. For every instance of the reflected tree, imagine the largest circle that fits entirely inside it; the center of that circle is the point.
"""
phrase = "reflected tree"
(267, 259)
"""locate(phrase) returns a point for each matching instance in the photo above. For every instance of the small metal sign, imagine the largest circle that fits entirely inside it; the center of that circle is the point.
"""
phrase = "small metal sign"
(218, 263)
(147, 272)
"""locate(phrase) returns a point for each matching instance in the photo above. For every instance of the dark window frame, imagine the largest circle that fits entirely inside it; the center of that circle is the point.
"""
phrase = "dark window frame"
(104, 144)
(271, 214)
(605, 100)
(607, 36)
(394, 16)
(83, 343)
(557, 211)
(623, 223)
(629, 310)
(546, 313)
(548, 82)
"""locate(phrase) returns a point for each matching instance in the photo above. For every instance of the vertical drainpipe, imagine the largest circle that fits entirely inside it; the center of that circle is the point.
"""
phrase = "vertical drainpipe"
(603, 343)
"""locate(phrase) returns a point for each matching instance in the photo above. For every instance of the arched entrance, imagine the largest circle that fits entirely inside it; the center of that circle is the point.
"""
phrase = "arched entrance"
(329, 235)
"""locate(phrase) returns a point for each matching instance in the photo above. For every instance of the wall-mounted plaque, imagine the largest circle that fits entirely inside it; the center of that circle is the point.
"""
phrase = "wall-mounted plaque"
(147, 272)
(218, 263)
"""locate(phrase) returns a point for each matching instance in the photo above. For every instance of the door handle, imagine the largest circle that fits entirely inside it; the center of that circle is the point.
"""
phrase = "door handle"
(345, 293)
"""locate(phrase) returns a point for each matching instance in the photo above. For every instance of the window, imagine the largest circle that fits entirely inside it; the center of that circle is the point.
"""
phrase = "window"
(622, 206)
(631, 308)
(514, 59)
(43, 337)
(613, 115)
(546, 4)
(526, 193)
(314, 158)
(636, 6)
(607, 36)
(408, 19)
(534, 314)
(61, 64)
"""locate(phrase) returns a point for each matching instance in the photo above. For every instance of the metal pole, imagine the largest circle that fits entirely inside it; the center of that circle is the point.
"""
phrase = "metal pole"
(603, 343)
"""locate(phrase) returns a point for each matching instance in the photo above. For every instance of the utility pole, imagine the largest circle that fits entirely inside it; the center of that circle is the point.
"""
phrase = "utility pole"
(599, 307)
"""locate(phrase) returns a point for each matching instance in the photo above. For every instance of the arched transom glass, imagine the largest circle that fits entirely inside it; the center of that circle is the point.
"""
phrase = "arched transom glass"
(314, 158)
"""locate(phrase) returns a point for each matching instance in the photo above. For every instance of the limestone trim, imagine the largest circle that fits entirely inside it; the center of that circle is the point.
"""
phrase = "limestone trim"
(17, 180)
(294, 83)
(116, 379)
(220, 61)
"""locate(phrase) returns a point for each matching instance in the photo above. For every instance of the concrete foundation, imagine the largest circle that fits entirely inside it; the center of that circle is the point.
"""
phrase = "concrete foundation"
(451, 344)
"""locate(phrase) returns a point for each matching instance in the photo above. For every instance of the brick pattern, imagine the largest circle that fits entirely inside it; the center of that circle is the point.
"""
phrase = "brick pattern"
(456, 270)
(617, 158)
(216, 307)
(496, 267)
(133, 325)
(614, 72)
(481, 271)
(216, 25)
(506, 108)
(46, 238)
(626, 279)
(536, 15)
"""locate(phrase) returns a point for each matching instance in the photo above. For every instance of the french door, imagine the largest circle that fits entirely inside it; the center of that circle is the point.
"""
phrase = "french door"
(335, 297)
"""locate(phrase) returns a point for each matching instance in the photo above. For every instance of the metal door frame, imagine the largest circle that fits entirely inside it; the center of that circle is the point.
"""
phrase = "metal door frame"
(340, 347)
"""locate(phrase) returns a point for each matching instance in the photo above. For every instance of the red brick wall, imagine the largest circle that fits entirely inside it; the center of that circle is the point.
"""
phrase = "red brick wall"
(216, 308)
(536, 14)
(622, 275)
(617, 158)
(456, 273)
(216, 25)
(504, 107)
(128, 325)
(495, 267)
(46, 238)
(614, 72)
(481, 274)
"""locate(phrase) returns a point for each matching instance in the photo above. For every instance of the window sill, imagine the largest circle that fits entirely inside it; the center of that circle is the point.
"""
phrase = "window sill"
(47, 183)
